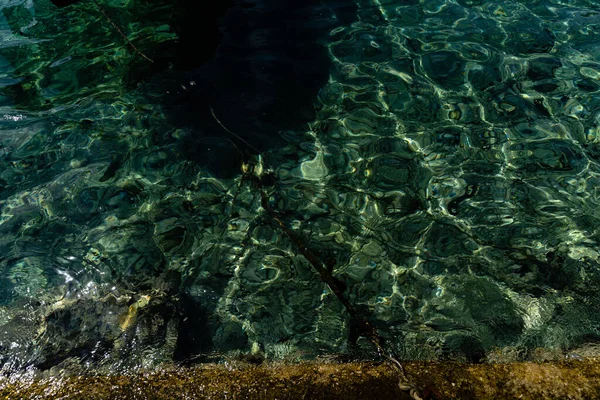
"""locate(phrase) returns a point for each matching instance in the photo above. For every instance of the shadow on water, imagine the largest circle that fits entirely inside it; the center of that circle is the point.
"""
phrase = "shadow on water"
(263, 80)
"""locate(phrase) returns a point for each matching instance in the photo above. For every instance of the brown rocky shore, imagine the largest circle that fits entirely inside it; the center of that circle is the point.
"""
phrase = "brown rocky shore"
(527, 380)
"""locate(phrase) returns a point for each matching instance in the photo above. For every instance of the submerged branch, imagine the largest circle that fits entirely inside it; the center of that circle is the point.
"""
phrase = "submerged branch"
(120, 31)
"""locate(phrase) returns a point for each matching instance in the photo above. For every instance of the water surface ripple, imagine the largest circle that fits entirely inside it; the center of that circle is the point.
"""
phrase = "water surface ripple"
(441, 157)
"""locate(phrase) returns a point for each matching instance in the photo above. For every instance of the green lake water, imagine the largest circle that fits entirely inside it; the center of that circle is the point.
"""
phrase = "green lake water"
(440, 158)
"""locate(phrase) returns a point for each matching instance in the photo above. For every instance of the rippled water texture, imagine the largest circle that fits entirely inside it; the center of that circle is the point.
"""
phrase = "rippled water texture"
(440, 157)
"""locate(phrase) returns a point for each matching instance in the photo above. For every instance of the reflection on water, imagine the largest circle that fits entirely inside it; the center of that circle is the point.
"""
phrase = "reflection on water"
(439, 157)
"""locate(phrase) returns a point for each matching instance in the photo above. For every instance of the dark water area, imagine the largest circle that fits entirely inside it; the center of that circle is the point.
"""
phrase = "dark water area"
(437, 160)
(263, 80)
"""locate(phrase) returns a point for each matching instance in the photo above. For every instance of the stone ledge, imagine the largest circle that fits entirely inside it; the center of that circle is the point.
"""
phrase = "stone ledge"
(557, 380)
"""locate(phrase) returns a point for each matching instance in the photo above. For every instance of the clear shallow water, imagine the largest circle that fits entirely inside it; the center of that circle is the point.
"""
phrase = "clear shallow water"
(440, 157)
